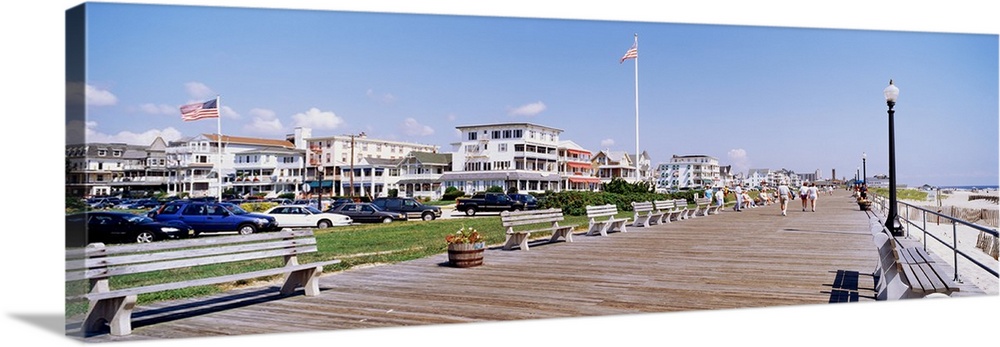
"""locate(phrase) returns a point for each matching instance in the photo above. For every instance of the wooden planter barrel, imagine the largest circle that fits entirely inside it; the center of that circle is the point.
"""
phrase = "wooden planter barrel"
(865, 206)
(466, 254)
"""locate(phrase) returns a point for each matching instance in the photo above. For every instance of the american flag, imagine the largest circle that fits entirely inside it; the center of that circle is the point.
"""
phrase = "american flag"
(632, 53)
(207, 109)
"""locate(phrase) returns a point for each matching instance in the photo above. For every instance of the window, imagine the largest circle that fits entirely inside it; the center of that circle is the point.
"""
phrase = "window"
(517, 133)
(502, 147)
(116, 153)
(472, 136)
(518, 148)
(506, 134)
(102, 152)
(496, 134)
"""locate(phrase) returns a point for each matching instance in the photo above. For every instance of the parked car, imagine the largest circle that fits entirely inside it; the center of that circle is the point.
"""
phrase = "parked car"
(306, 216)
(529, 201)
(411, 207)
(206, 217)
(119, 227)
(487, 202)
(97, 203)
(366, 212)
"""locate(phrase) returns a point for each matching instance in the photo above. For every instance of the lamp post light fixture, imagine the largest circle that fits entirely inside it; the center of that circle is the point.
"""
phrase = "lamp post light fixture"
(892, 218)
(319, 190)
(864, 169)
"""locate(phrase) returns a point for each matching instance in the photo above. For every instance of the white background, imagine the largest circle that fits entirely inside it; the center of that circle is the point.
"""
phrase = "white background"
(33, 100)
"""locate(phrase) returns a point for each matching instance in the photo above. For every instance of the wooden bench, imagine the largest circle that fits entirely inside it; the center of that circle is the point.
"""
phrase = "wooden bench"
(908, 272)
(682, 205)
(666, 210)
(511, 219)
(713, 207)
(701, 207)
(645, 214)
(98, 263)
(604, 226)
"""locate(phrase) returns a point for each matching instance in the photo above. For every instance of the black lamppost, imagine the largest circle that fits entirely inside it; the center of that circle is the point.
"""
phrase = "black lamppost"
(892, 219)
(864, 169)
(857, 176)
(319, 190)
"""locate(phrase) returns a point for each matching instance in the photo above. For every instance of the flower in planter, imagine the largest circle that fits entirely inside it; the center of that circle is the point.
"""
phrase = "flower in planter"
(464, 236)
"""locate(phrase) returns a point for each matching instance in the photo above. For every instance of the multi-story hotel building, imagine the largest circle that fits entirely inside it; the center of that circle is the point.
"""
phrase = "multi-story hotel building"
(575, 168)
(619, 164)
(97, 169)
(247, 165)
(334, 156)
(521, 155)
(688, 172)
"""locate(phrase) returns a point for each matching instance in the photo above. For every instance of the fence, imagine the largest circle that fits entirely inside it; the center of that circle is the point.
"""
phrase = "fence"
(983, 216)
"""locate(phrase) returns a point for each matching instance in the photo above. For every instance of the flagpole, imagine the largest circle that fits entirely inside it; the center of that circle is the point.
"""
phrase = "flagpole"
(218, 193)
(636, 108)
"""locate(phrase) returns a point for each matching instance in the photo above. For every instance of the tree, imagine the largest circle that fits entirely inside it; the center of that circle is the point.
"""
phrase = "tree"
(512, 190)
(494, 189)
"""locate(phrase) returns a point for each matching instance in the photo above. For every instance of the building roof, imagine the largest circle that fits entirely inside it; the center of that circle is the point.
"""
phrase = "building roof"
(250, 141)
(523, 124)
(431, 158)
(496, 175)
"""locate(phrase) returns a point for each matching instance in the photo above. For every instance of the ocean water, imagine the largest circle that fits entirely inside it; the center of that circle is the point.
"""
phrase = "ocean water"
(983, 187)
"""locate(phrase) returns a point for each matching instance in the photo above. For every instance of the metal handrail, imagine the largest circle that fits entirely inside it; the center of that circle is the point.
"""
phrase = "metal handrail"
(882, 201)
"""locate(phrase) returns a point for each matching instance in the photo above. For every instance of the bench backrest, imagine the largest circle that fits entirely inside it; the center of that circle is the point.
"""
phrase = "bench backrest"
(889, 284)
(680, 203)
(645, 206)
(515, 218)
(702, 201)
(98, 261)
(602, 211)
(664, 204)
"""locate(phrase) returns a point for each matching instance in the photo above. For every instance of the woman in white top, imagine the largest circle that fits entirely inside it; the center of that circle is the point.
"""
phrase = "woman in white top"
(804, 195)
(813, 195)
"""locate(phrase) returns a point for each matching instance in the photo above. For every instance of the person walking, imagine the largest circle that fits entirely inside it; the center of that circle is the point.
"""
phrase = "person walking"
(738, 191)
(720, 199)
(813, 195)
(804, 195)
(784, 194)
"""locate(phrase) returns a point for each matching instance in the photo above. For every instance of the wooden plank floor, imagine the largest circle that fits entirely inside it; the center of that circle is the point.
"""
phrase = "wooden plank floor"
(754, 258)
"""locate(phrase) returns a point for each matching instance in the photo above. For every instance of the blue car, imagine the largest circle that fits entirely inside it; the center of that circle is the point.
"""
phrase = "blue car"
(210, 217)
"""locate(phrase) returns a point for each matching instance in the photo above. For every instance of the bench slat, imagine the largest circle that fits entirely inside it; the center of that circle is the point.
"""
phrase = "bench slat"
(204, 281)
(139, 258)
(190, 243)
(173, 264)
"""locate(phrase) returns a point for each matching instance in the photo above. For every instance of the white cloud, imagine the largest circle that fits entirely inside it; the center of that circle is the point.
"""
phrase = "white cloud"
(263, 113)
(265, 126)
(228, 112)
(199, 90)
(316, 119)
(528, 110)
(77, 132)
(607, 143)
(413, 128)
(739, 160)
(99, 97)
(264, 122)
(386, 98)
(159, 109)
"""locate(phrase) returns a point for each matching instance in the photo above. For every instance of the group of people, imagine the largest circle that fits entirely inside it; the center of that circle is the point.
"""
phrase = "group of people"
(808, 193)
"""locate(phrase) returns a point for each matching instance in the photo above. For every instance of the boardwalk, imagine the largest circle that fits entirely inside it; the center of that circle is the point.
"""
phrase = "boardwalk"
(754, 258)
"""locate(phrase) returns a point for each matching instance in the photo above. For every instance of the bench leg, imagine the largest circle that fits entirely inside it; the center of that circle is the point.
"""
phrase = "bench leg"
(565, 233)
(519, 239)
(117, 312)
(308, 279)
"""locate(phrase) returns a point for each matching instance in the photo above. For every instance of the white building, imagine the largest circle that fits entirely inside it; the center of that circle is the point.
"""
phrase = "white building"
(576, 170)
(420, 174)
(619, 164)
(689, 172)
(333, 155)
(521, 155)
(194, 164)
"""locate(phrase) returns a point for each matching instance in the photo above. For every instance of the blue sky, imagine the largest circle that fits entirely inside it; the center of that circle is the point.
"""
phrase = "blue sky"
(702, 91)
(751, 96)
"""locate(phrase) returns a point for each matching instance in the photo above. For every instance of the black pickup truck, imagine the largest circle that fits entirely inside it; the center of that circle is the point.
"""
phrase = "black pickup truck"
(487, 202)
